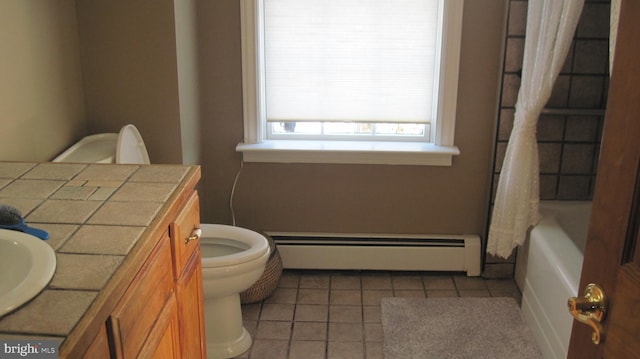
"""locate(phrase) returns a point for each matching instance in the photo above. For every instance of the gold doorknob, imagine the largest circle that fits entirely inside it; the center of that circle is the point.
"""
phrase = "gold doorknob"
(591, 309)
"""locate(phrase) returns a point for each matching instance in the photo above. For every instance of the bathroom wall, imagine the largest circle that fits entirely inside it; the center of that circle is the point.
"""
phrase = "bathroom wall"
(41, 105)
(568, 143)
(130, 71)
(349, 198)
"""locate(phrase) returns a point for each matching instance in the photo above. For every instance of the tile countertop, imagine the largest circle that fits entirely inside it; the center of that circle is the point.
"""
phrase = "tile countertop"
(95, 214)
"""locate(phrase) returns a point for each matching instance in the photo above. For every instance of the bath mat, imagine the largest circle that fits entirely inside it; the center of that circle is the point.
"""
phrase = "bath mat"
(440, 328)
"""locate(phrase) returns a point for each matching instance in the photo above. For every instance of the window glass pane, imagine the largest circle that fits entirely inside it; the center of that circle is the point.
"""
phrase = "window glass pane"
(400, 129)
(341, 129)
(299, 128)
(351, 128)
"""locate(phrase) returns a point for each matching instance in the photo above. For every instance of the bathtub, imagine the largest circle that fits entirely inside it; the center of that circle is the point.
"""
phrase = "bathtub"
(553, 260)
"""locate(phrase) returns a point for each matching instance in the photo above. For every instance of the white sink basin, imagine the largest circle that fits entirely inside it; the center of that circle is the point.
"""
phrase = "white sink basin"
(26, 266)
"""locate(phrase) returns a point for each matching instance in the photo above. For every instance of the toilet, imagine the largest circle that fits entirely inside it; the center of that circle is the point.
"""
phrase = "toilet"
(233, 258)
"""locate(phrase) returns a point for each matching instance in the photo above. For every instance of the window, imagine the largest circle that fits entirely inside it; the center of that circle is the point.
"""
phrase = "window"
(350, 81)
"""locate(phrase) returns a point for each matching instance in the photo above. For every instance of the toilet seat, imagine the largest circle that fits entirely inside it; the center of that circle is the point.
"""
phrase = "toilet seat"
(253, 244)
(130, 147)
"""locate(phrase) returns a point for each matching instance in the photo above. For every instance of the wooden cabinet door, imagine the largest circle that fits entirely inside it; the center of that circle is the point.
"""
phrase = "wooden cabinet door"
(99, 347)
(182, 232)
(188, 276)
(612, 256)
(190, 306)
(136, 315)
(168, 347)
(164, 339)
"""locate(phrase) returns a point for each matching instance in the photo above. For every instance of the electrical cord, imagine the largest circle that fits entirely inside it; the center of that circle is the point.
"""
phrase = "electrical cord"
(233, 191)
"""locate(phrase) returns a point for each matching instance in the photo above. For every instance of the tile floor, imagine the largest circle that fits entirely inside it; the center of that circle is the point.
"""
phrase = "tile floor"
(336, 314)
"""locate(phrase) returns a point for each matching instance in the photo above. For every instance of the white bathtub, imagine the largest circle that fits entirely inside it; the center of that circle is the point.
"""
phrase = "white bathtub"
(553, 265)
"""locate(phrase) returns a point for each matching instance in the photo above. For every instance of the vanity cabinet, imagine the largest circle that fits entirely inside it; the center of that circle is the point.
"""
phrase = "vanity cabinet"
(128, 283)
(161, 314)
(152, 307)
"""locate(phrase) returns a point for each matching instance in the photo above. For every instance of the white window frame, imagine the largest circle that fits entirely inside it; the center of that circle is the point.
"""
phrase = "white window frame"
(438, 152)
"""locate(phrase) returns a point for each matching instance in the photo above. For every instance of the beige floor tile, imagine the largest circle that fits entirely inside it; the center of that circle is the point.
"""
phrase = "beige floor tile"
(409, 293)
(309, 331)
(277, 312)
(269, 349)
(374, 350)
(345, 350)
(345, 313)
(407, 282)
(371, 314)
(312, 313)
(437, 293)
(283, 296)
(376, 281)
(501, 284)
(372, 297)
(307, 350)
(345, 297)
(273, 330)
(503, 288)
(317, 281)
(463, 282)
(474, 293)
(373, 332)
(345, 281)
(313, 296)
(440, 282)
(289, 280)
(251, 311)
(345, 332)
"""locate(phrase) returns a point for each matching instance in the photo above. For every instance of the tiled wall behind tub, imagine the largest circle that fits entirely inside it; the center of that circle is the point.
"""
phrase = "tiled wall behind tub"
(570, 128)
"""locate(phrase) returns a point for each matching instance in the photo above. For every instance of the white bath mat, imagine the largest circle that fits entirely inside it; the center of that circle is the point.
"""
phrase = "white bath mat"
(441, 328)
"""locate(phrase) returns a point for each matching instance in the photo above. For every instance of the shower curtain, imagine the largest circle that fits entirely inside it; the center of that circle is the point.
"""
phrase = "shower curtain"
(550, 28)
(613, 30)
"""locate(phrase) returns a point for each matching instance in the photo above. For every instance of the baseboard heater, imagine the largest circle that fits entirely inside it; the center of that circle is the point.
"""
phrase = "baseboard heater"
(379, 252)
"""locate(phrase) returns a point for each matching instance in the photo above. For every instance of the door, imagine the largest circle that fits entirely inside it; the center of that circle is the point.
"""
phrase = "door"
(612, 258)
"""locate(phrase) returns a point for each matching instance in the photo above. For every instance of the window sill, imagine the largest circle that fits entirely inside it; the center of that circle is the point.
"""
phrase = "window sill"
(353, 152)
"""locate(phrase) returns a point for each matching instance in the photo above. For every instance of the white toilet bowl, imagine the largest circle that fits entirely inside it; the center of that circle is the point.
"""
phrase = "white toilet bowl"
(233, 259)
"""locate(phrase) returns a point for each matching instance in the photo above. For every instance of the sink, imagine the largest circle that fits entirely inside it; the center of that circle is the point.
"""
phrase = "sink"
(26, 266)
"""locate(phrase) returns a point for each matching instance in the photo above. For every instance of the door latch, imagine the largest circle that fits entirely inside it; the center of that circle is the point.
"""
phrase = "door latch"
(590, 309)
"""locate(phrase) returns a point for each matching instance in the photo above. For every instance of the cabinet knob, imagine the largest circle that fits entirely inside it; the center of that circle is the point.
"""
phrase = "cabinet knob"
(196, 233)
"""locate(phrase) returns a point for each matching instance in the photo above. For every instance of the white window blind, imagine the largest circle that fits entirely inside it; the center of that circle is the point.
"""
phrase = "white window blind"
(350, 60)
